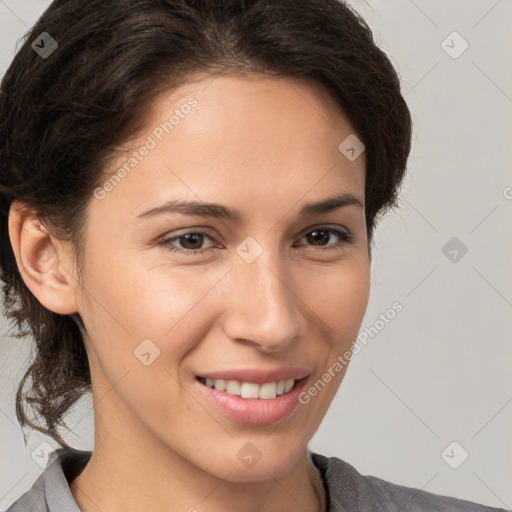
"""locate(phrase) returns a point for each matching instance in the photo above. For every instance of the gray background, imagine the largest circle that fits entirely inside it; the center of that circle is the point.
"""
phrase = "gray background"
(438, 372)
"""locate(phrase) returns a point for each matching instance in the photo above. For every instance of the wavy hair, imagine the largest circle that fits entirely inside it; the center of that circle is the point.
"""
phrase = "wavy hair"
(63, 117)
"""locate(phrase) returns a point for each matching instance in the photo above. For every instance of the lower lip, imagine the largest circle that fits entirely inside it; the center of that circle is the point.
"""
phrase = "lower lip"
(253, 411)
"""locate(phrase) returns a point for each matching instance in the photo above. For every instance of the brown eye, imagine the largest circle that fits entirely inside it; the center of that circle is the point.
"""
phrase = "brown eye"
(320, 237)
(190, 242)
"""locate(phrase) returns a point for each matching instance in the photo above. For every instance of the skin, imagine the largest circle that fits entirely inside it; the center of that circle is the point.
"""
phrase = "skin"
(266, 148)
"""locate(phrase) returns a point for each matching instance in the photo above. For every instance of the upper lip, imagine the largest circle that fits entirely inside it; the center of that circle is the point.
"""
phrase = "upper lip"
(257, 375)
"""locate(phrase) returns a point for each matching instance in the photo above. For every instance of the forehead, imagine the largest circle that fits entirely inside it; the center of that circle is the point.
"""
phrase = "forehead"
(231, 96)
(241, 138)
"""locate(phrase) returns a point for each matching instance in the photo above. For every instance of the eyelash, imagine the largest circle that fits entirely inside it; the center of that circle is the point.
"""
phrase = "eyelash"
(346, 238)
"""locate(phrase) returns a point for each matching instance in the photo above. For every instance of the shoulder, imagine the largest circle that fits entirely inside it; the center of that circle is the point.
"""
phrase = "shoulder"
(32, 500)
(347, 489)
(50, 492)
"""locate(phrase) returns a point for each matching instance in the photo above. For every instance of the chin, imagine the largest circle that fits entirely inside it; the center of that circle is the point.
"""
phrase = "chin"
(256, 460)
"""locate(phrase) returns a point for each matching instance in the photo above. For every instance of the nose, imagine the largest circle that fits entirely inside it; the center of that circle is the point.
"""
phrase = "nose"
(263, 309)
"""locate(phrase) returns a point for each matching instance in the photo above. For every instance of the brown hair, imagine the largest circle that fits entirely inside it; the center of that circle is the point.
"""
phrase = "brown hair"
(62, 118)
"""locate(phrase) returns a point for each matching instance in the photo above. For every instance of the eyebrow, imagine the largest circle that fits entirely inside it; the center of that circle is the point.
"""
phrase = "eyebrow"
(220, 211)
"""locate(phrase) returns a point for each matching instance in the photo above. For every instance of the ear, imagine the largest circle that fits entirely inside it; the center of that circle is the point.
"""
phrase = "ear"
(43, 261)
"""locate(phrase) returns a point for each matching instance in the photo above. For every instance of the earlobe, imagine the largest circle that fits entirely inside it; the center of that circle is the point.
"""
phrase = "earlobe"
(41, 261)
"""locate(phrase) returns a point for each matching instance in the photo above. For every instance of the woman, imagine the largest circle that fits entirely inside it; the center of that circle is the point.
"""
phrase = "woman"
(189, 192)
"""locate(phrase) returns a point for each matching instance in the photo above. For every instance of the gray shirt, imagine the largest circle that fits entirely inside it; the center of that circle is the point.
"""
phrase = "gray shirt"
(346, 489)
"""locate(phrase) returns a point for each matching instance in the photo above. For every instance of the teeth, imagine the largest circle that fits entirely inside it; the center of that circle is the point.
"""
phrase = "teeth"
(233, 387)
(268, 390)
(220, 385)
(265, 391)
(248, 390)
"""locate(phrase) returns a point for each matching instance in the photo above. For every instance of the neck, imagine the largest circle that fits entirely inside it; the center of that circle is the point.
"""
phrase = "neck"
(131, 471)
(125, 482)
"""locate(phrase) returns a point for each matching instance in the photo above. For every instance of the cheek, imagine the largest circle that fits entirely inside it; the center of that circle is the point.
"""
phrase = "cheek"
(140, 298)
(339, 298)
(140, 326)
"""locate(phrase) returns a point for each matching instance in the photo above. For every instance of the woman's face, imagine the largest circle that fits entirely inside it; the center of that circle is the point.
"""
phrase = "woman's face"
(260, 294)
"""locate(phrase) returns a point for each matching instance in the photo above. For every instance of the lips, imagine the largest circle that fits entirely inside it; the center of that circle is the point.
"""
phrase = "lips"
(253, 396)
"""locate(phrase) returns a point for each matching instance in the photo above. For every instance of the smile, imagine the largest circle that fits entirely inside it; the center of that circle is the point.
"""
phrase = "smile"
(265, 391)
(263, 403)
